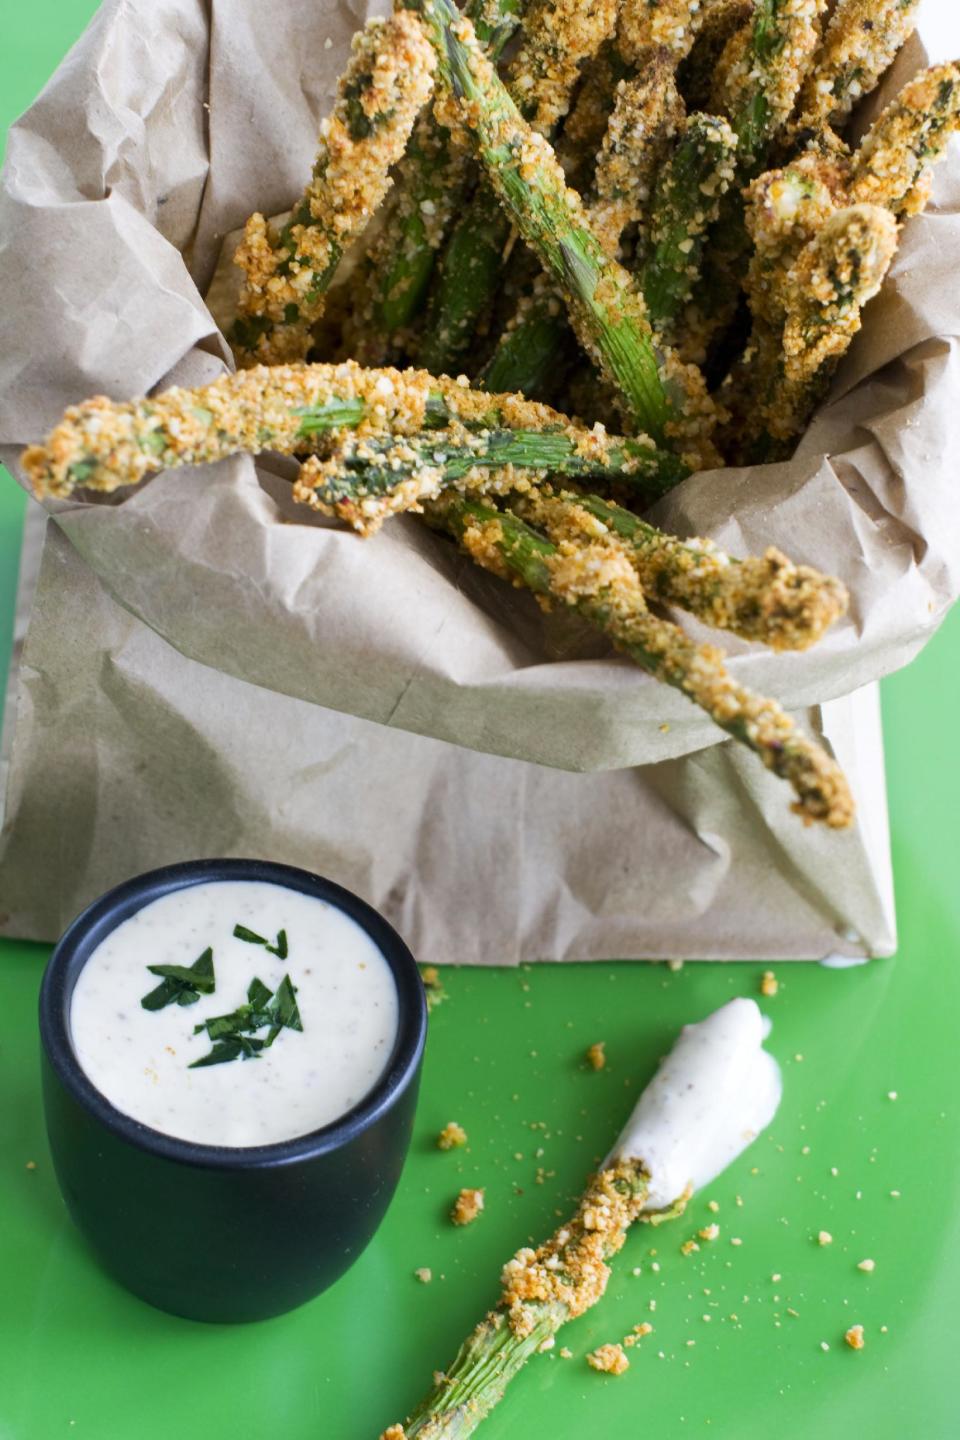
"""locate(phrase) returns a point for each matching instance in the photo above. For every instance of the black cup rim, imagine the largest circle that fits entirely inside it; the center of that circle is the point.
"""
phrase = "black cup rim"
(103, 915)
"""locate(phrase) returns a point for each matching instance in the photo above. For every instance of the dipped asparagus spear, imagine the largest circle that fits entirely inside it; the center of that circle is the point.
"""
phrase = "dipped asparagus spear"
(599, 582)
(712, 1095)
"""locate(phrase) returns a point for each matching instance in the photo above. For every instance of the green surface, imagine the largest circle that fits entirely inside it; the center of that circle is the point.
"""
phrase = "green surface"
(80, 1357)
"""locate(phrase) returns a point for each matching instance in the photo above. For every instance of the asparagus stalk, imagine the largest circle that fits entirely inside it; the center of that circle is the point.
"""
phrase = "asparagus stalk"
(103, 444)
(824, 293)
(861, 40)
(672, 24)
(596, 580)
(286, 277)
(365, 480)
(697, 72)
(607, 311)
(686, 203)
(560, 36)
(432, 184)
(765, 598)
(646, 114)
(716, 1082)
(892, 166)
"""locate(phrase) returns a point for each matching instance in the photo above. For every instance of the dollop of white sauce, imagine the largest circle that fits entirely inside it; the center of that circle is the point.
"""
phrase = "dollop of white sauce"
(139, 1059)
(712, 1095)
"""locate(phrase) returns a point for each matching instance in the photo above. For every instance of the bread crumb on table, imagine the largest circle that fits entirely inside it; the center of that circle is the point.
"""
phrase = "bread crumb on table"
(452, 1136)
(709, 1232)
(609, 1359)
(867, 1266)
(854, 1337)
(467, 1207)
(824, 1238)
(596, 1055)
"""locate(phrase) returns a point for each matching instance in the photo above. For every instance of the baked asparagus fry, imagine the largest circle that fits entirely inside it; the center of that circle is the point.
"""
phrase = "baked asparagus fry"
(892, 166)
(432, 184)
(697, 72)
(824, 293)
(366, 479)
(292, 409)
(559, 37)
(762, 598)
(717, 1081)
(599, 582)
(646, 114)
(861, 39)
(607, 311)
(386, 83)
(672, 24)
(685, 204)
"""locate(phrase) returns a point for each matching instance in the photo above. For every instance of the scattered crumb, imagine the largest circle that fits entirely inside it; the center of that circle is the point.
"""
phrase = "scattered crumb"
(769, 984)
(665, 728)
(566, 1354)
(895, 1194)
(467, 1207)
(424, 1274)
(824, 1238)
(776, 1277)
(452, 1136)
(609, 1359)
(689, 1247)
(546, 1345)
(433, 986)
(394, 1432)
(674, 965)
(736, 1241)
(31, 1164)
(868, 1266)
(883, 1329)
(656, 1267)
(709, 1232)
(891, 1094)
(854, 1337)
(798, 1058)
(714, 1206)
(824, 1345)
(596, 1056)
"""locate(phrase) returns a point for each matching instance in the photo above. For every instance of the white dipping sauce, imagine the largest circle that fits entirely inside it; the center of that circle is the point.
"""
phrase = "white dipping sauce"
(710, 1098)
(139, 1058)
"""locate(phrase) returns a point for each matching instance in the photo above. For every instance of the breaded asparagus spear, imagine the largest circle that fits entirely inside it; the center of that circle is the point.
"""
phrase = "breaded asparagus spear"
(892, 165)
(697, 73)
(363, 480)
(599, 582)
(823, 296)
(762, 598)
(672, 24)
(861, 39)
(646, 114)
(685, 204)
(104, 444)
(608, 313)
(386, 83)
(432, 184)
(559, 37)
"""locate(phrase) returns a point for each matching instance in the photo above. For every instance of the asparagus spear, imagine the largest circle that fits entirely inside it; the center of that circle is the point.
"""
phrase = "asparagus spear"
(365, 480)
(607, 311)
(646, 114)
(717, 1081)
(672, 24)
(597, 581)
(432, 184)
(861, 40)
(892, 166)
(286, 277)
(768, 598)
(685, 204)
(102, 444)
(560, 35)
(696, 74)
(824, 293)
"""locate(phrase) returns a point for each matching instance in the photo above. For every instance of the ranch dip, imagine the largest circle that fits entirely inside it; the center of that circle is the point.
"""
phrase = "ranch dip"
(320, 970)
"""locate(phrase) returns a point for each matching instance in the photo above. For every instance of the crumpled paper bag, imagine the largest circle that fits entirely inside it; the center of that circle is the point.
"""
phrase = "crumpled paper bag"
(165, 126)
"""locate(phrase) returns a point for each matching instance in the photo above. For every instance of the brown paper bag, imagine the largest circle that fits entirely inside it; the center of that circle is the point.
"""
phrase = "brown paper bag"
(165, 126)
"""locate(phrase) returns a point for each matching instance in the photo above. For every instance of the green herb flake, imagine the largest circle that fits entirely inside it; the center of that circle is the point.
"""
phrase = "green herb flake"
(181, 984)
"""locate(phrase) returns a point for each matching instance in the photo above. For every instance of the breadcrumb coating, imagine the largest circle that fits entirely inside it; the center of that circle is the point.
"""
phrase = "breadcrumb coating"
(671, 24)
(861, 40)
(646, 116)
(765, 598)
(558, 37)
(286, 276)
(103, 444)
(719, 22)
(891, 167)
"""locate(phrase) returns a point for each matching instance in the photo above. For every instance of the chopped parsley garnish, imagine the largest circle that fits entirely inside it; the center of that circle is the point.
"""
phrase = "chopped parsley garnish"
(181, 984)
(279, 947)
(234, 1035)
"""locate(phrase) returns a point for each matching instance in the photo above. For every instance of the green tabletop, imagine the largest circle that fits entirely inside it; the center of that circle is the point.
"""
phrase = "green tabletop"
(748, 1331)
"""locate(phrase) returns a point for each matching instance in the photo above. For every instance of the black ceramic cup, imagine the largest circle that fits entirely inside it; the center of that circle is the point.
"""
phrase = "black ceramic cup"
(213, 1232)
